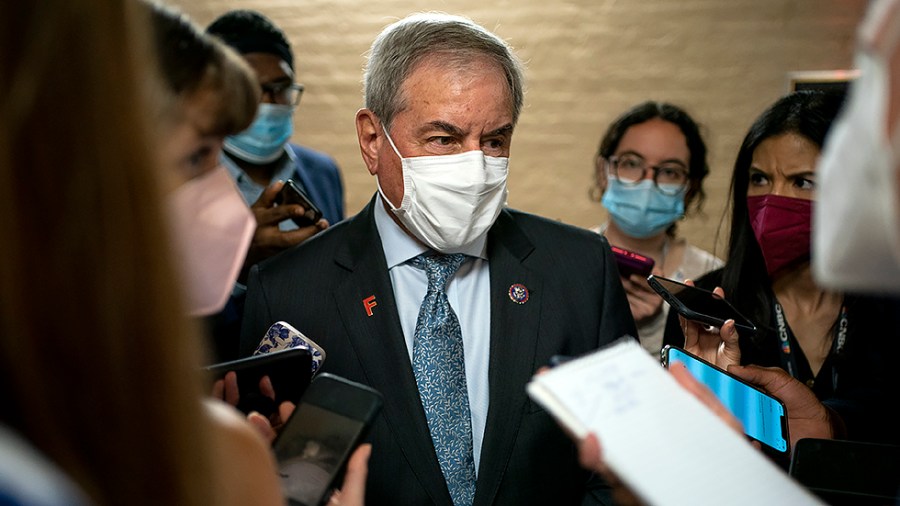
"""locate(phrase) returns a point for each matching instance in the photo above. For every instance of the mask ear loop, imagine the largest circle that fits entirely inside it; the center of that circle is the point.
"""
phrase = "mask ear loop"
(391, 141)
(378, 182)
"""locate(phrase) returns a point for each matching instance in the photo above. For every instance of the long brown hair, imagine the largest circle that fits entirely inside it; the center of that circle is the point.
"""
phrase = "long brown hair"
(97, 364)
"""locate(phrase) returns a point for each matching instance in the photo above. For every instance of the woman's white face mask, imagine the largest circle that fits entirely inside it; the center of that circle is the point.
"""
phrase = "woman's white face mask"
(856, 226)
(212, 230)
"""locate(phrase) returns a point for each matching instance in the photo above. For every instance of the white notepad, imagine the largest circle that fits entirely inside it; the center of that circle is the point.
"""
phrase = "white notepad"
(657, 437)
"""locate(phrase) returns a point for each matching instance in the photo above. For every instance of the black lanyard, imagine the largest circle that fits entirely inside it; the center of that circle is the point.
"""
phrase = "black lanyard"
(789, 359)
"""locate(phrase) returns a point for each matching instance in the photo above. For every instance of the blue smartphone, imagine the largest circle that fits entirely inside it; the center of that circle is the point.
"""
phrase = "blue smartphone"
(764, 417)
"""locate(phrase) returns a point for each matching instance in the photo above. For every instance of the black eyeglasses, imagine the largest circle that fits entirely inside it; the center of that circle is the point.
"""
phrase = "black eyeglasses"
(283, 93)
(670, 178)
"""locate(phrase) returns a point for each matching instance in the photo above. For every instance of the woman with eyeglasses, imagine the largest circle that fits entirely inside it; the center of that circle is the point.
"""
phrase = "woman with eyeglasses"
(842, 346)
(649, 170)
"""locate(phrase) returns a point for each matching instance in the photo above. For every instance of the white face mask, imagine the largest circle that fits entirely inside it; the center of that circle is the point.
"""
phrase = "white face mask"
(856, 241)
(450, 200)
(212, 231)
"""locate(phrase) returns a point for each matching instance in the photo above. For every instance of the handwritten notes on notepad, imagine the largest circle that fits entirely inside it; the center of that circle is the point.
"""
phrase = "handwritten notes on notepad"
(658, 438)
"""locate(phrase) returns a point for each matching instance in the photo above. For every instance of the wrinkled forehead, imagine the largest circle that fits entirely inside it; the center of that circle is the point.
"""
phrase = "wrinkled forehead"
(438, 69)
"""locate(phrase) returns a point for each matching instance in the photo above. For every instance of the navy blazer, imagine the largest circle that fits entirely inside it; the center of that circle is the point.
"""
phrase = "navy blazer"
(576, 304)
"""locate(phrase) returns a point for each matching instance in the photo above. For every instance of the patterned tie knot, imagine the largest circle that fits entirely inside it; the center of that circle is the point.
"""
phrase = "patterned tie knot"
(438, 268)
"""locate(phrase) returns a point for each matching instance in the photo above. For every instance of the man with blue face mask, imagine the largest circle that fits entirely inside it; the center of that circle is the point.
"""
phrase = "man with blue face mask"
(261, 156)
(438, 295)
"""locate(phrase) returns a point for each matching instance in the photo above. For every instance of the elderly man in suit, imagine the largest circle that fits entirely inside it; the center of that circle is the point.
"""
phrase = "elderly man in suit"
(440, 297)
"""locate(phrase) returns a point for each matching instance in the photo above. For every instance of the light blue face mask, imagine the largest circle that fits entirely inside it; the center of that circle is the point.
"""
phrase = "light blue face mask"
(264, 140)
(641, 210)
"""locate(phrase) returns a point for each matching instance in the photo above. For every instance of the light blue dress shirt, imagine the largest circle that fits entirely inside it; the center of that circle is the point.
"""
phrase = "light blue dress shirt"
(469, 295)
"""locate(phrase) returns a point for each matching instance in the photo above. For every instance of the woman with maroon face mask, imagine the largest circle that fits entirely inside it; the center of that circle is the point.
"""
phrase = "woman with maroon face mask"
(837, 344)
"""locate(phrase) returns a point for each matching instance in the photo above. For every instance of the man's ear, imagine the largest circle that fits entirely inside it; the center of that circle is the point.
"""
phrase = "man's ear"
(370, 135)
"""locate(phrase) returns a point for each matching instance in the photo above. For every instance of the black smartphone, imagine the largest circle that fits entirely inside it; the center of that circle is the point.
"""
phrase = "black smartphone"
(848, 472)
(312, 449)
(291, 193)
(289, 370)
(764, 417)
(630, 262)
(700, 305)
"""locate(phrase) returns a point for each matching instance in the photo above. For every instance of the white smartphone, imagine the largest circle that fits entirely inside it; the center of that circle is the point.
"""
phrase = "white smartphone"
(282, 336)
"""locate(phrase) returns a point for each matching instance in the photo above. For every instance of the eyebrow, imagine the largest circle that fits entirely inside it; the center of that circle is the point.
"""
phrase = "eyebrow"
(455, 130)
(668, 160)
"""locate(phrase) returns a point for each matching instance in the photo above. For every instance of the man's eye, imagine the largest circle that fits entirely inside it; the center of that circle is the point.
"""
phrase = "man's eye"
(442, 140)
(494, 144)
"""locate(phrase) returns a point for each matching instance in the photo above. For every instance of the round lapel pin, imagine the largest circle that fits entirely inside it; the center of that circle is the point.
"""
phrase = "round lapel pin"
(518, 293)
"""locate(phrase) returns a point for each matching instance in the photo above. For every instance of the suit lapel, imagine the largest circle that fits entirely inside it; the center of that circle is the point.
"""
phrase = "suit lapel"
(514, 331)
(378, 341)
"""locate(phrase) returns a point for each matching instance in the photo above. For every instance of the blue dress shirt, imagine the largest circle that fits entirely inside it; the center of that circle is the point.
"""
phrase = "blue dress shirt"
(469, 296)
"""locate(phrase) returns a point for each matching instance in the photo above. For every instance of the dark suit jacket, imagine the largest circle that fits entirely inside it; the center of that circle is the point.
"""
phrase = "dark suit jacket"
(576, 304)
(322, 181)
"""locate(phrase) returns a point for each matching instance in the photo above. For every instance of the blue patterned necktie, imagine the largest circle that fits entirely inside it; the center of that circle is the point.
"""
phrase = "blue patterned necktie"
(440, 370)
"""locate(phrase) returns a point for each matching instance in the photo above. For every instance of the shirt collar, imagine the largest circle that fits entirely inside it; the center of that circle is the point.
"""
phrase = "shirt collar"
(284, 171)
(399, 246)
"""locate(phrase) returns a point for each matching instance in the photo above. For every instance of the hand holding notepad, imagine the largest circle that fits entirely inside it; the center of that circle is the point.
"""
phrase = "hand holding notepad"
(658, 438)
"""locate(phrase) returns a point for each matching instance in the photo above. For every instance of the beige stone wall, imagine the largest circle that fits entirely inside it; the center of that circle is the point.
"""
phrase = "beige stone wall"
(588, 60)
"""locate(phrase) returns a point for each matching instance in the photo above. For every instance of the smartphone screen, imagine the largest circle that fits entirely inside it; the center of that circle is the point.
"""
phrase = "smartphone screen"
(326, 427)
(763, 416)
(315, 452)
(701, 305)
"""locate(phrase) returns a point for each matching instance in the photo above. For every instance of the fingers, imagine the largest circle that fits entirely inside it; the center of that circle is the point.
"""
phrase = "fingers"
(299, 235)
(271, 238)
(262, 426)
(589, 453)
(353, 490)
(691, 331)
(266, 388)
(267, 198)
(771, 379)
(271, 216)
(285, 410)
(218, 389)
(232, 393)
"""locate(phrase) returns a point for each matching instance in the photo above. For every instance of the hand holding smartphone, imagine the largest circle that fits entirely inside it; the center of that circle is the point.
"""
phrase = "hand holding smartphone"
(312, 449)
(697, 304)
(764, 417)
(291, 193)
(289, 371)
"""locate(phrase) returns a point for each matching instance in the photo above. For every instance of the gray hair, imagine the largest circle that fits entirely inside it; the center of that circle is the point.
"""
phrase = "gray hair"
(402, 45)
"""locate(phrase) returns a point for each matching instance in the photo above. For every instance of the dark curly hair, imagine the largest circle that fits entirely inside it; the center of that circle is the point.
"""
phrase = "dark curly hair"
(249, 32)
